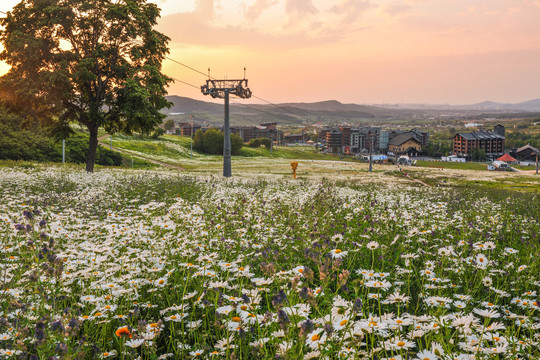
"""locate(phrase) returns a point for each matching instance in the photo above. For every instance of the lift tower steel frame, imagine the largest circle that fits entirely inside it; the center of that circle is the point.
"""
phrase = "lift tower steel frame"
(222, 89)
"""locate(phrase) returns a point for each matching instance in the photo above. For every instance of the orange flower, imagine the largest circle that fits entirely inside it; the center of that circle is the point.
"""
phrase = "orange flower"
(123, 331)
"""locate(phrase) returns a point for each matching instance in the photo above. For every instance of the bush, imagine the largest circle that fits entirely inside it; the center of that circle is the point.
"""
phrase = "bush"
(478, 155)
(157, 133)
(169, 124)
(29, 143)
(32, 143)
(198, 140)
(255, 143)
(266, 142)
(211, 142)
(236, 144)
(77, 149)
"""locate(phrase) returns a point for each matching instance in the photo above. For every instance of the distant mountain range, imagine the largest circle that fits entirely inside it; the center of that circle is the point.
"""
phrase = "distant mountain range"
(332, 111)
(527, 106)
(287, 113)
(187, 105)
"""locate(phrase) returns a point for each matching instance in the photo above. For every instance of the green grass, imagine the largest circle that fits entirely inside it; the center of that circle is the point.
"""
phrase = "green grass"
(172, 149)
(126, 163)
(287, 152)
(526, 168)
(136, 163)
(452, 165)
(520, 183)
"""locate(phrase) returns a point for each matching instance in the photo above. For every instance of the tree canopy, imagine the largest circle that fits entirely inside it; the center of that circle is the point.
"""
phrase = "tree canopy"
(96, 62)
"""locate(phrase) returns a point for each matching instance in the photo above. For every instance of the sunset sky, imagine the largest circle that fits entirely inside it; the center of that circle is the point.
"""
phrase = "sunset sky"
(358, 51)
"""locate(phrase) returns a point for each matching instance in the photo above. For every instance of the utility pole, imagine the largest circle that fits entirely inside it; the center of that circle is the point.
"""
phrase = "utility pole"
(370, 152)
(537, 151)
(222, 89)
(191, 133)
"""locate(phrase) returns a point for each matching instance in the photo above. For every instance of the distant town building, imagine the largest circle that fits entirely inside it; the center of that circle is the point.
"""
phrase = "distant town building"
(499, 129)
(405, 144)
(190, 129)
(344, 139)
(492, 142)
(421, 136)
(266, 130)
(334, 140)
(383, 140)
(345, 136)
(362, 139)
(321, 134)
(507, 159)
(525, 153)
(294, 138)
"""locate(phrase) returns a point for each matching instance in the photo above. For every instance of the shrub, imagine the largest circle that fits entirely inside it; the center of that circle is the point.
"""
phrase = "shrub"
(77, 149)
(28, 143)
(236, 144)
(255, 143)
(211, 142)
(157, 133)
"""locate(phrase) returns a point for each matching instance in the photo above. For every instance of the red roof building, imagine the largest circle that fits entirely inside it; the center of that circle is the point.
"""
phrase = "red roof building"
(506, 158)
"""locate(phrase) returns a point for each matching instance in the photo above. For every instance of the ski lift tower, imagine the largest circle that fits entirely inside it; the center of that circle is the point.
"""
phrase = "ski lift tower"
(222, 89)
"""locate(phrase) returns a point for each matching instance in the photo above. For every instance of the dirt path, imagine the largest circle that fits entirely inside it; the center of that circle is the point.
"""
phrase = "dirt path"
(408, 176)
(157, 162)
(523, 171)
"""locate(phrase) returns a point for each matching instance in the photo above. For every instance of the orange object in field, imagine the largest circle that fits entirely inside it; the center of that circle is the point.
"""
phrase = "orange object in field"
(123, 331)
(294, 165)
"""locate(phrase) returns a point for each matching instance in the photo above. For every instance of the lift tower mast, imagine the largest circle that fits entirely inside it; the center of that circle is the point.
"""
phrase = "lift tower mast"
(222, 89)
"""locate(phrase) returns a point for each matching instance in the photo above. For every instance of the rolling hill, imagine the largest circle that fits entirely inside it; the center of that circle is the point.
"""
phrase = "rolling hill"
(330, 112)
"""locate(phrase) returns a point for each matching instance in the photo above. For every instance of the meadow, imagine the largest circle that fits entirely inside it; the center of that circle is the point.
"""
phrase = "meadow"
(175, 150)
(156, 265)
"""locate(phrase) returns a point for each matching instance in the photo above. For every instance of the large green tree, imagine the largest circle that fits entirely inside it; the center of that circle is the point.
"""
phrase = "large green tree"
(96, 62)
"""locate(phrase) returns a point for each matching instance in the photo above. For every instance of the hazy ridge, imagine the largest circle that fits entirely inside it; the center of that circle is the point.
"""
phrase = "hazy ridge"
(333, 111)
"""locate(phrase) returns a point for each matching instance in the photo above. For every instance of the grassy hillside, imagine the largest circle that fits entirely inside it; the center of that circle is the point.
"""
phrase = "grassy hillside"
(176, 150)
(451, 165)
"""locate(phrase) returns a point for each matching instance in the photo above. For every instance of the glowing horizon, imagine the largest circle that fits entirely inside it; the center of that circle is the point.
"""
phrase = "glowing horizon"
(357, 51)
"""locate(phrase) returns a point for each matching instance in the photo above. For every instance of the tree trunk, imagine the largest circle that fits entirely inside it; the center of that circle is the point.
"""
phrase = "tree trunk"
(92, 148)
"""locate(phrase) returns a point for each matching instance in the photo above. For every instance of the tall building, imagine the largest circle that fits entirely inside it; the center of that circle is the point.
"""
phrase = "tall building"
(334, 140)
(499, 129)
(492, 142)
(363, 138)
(383, 140)
(345, 136)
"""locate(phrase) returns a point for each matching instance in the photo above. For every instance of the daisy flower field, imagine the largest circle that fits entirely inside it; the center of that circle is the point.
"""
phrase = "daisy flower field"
(150, 265)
